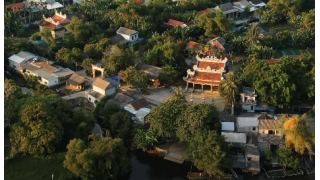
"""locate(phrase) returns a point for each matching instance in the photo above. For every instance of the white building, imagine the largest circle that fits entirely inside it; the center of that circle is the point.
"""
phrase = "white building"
(16, 60)
(237, 139)
(247, 124)
(100, 88)
(126, 36)
(141, 115)
(227, 126)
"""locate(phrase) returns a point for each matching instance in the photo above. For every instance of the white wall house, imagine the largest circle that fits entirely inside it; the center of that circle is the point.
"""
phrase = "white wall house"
(247, 124)
(126, 36)
(103, 87)
(46, 78)
(16, 60)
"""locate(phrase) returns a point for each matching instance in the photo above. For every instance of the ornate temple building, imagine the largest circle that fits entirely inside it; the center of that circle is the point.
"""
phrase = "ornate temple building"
(208, 71)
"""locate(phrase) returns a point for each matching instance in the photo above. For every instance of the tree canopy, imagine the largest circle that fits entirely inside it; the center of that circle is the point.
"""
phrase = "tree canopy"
(11, 89)
(101, 159)
(287, 158)
(38, 131)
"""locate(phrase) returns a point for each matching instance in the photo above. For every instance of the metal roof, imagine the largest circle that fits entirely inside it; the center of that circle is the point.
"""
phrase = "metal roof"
(26, 55)
(126, 31)
(45, 75)
(152, 71)
(235, 137)
(247, 121)
(227, 126)
(100, 83)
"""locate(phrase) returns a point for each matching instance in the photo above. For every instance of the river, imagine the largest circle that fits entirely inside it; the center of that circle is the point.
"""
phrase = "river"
(146, 167)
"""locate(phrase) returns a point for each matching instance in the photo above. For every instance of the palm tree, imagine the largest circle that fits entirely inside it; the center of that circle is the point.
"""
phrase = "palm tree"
(232, 57)
(229, 87)
(259, 12)
(252, 35)
(177, 94)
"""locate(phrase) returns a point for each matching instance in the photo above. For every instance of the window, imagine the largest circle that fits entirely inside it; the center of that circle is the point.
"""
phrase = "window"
(45, 82)
(65, 30)
(251, 107)
(89, 99)
(271, 132)
(249, 158)
(253, 129)
(131, 37)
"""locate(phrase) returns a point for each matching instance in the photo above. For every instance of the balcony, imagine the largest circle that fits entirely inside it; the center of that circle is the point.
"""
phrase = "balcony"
(249, 102)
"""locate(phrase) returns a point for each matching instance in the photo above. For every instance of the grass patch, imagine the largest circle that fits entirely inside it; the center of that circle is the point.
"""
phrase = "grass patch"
(28, 167)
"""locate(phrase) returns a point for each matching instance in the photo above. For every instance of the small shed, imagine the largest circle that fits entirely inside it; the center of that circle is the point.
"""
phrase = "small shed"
(227, 126)
(136, 105)
(152, 71)
(77, 81)
(247, 124)
(141, 115)
(252, 157)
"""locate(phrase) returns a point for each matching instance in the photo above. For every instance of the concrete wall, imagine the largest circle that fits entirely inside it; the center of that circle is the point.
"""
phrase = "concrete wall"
(247, 129)
(51, 82)
(248, 108)
(265, 132)
(14, 64)
(134, 37)
(253, 157)
(99, 90)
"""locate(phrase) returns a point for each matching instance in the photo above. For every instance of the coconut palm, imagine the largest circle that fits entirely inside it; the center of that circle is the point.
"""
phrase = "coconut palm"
(252, 35)
(229, 87)
(177, 94)
(232, 57)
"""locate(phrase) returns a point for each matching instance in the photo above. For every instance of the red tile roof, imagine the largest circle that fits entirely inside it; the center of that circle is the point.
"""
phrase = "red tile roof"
(18, 5)
(193, 44)
(203, 11)
(207, 76)
(138, 1)
(213, 65)
(272, 61)
(58, 18)
(175, 23)
(216, 43)
(139, 104)
(47, 24)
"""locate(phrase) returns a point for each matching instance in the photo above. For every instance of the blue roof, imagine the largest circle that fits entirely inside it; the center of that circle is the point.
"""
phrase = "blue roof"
(116, 78)
(112, 81)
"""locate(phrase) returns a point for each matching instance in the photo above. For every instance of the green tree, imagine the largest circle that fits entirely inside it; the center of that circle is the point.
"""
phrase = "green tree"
(224, 24)
(207, 22)
(36, 36)
(309, 19)
(287, 158)
(101, 159)
(120, 125)
(229, 88)
(83, 123)
(209, 152)
(69, 56)
(246, 11)
(87, 63)
(47, 36)
(40, 89)
(38, 131)
(144, 139)
(13, 45)
(167, 74)
(177, 95)
(163, 118)
(128, 74)
(141, 80)
(252, 35)
(11, 89)
(286, 7)
(196, 118)
(268, 155)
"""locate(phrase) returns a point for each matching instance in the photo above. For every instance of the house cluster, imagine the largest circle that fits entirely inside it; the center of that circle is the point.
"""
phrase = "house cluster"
(47, 72)
(236, 9)
(250, 135)
(41, 4)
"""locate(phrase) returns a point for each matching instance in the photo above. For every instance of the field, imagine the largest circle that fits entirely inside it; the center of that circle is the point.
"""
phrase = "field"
(290, 51)
(28, 167)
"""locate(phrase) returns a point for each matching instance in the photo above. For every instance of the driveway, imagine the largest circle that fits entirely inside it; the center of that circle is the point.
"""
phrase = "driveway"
(75, 95)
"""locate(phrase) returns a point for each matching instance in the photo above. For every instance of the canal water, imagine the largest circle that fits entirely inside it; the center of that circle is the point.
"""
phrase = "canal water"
(146, 167)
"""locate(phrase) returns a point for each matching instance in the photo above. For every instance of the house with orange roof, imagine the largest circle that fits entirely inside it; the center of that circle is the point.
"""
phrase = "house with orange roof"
(57, 24)
(208, 71)
(203, 11)
(17, 5)
(191, 45)
(222, 45)
(172, 23)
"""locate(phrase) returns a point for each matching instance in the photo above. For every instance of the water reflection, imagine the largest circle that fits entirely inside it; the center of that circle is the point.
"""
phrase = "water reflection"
(146, 167)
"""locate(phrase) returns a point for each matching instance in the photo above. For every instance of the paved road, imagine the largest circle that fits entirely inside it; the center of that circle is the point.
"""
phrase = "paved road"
(75, 95)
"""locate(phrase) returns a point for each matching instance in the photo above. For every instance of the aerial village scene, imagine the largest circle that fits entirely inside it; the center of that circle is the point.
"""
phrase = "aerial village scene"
(159, 89)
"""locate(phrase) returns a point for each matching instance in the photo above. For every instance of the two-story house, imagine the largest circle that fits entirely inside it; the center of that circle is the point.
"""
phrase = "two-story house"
(126, 36)
(100, 88)
(229, 10)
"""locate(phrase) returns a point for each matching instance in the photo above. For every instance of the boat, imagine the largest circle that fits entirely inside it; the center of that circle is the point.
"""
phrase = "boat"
(234, 173)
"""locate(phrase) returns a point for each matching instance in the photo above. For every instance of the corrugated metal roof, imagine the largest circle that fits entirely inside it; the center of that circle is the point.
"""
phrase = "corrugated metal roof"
(235, 137)
(227, 126)
(16, 59)
(44, 74)
(100, 83)
(247, 121)
(268, 124)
